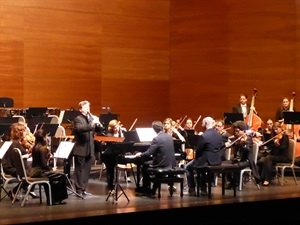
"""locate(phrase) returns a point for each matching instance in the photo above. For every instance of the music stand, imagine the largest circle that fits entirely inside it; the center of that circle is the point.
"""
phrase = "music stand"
(9, 120)
(291, 117)
(118, 148)
(49, 128)
(131, 136)
(36, 111)
(106, 118)
(230, 118)
(4, 130)
(69, 116)
(190, 132)
(34, 121)
(63, 152)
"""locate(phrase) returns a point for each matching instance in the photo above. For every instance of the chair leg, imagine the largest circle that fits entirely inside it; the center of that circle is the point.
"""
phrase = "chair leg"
(295, 178)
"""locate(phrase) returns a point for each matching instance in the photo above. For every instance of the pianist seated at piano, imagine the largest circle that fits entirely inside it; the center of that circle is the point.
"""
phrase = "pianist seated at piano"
(114, 129)
(160, 154)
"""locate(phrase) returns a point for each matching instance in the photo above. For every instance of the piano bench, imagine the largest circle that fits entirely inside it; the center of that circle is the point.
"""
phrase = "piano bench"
(224, 168)
(167, 176)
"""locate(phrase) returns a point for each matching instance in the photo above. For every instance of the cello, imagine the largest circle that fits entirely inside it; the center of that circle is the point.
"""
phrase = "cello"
(253, 121)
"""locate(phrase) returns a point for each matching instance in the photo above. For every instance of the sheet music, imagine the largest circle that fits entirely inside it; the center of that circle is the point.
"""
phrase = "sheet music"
(4, 148)
(64, 149)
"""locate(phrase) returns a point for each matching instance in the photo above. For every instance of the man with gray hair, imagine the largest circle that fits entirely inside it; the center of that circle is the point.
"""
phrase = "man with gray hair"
(208, 152)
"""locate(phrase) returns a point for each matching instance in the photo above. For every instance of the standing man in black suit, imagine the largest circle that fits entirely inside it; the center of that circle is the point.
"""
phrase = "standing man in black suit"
(85, 124)
(160, 154)
(208, 152)
(243, 106)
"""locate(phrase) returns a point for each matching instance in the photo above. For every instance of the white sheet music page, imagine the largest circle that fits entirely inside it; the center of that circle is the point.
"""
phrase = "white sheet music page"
(64, 149)
(4, 148)
(146, 134)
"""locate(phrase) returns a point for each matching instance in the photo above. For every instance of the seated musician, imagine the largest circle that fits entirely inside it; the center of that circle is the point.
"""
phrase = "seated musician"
(243, 151)
(114, 129)
(160, 154)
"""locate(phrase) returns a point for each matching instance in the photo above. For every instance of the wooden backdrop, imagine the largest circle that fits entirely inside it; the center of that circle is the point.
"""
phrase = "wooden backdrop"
(150, 59)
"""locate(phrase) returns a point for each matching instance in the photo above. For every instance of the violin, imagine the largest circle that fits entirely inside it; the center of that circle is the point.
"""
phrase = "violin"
(28, 141)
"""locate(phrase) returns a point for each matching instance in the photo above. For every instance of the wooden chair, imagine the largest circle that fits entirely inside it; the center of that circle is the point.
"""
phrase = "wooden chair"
(21, 172)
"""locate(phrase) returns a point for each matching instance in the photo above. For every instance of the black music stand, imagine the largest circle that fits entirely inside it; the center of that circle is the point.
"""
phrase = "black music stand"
(230, 118)
(117, 149)
(36, 111)
(291, 118)
(63, 152)
(69, 116)
(34, 121)
(190, 132)
(49, 128)
(106, 118)
(5, 131)
(9, 120)
(131, 136)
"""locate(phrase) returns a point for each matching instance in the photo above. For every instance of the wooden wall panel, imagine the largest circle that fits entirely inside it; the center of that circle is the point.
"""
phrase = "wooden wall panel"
(191, 57)
(135, 64)
(62, 75)
(146, 100)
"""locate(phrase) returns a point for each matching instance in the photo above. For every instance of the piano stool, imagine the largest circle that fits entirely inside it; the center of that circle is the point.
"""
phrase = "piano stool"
(224, 169)
(168, 176)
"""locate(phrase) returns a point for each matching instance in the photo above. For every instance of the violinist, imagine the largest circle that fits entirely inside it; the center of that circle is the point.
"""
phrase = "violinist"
(267, 134)
(17, 133)
(114, 129)
(40, 168)
(279, 154)
(189, 125)
(220, 127)
(243, 151)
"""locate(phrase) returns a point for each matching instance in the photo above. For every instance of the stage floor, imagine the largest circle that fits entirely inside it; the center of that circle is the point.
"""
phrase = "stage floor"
(103, 211)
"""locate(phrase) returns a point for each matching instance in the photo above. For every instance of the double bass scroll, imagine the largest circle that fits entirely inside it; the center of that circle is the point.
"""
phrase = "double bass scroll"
(253, 121)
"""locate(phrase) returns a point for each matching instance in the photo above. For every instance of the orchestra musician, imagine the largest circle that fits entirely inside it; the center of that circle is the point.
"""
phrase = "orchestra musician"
(285, 107)
(163, 156)
(40, 168)
(220, 127)
(243, 152)
(17, 133)
(208, 152)
(267, 133)
(85, 126)
(114, 129)
(279, 154)
(243, 106)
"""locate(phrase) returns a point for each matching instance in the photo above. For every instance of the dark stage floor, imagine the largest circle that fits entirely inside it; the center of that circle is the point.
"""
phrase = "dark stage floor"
(268, 205)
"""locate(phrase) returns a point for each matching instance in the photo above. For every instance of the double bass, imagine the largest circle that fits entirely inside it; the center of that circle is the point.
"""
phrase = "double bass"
(253, 121)
(293, 130)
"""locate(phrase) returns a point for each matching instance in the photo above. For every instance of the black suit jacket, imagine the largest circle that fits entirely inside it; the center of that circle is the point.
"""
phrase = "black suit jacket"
(162, 151)
(208, 151)
(84, 136)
